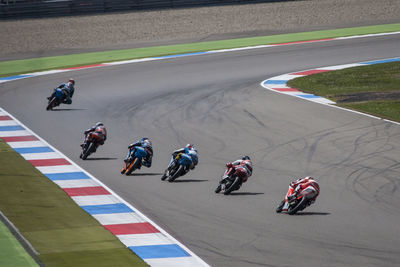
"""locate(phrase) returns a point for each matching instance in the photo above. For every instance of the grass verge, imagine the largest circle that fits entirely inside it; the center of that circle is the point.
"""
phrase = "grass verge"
(8, 68)
(11, 251)
(373, 89)
(62, 233)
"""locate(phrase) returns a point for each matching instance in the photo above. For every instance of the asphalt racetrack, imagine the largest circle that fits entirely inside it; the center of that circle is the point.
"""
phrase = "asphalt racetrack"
(216, 102)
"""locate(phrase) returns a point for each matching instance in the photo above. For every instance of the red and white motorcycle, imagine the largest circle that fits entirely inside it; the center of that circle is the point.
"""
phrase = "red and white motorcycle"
(232, 179)
(94, 139)
(300, 199)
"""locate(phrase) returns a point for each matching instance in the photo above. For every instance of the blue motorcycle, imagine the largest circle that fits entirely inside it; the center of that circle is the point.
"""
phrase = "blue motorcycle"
(57, 99)
(134, 161)
(180, 167)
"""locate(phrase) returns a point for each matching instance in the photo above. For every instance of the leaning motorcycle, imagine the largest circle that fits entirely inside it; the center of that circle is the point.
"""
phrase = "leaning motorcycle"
(57, 99)
(231, 180)
(134, 161)
(180, 167)
(298, 201)
(93, 141)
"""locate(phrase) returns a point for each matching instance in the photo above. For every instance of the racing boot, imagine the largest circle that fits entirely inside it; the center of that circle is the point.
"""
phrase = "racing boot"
(166, 173)
(164, 176)
(123, 170)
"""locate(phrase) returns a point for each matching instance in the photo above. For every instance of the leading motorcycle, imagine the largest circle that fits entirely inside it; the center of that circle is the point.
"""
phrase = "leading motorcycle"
(298, 201)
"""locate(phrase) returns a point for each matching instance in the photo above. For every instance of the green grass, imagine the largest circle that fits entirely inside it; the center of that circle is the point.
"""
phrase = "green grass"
(374, 89)
(62, 232)
(384, 109)
(11, 252)
(9, 68)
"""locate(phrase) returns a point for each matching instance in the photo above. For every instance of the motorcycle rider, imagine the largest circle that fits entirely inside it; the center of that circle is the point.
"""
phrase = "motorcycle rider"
(190, 150)
(100, 130)
(68, 89)
(295, 187)
(147, 145)
(245, 163)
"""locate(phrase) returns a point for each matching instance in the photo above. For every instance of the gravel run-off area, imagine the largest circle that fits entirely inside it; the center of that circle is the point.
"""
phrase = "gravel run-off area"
(28, 38)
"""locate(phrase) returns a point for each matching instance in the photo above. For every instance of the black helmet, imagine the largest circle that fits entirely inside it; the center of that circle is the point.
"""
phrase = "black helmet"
(99, 124)
(245, 158)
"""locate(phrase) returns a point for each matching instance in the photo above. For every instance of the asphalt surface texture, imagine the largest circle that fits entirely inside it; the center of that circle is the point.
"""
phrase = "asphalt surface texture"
(216, 102)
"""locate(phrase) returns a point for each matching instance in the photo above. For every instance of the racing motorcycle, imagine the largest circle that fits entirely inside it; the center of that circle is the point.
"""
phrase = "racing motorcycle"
(57, 99)
(180, 166)
(93, 141)
(231, 180)
(134, 161)
(298, 201)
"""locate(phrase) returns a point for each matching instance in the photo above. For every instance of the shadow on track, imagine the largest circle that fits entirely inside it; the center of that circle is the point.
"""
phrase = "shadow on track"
(101, 158)
(189, 181)
(246, 193)
(145, 174)
(68, 109)
(305, 213)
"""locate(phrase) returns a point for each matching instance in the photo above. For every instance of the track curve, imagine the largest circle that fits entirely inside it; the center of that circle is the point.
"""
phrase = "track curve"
(215, 102)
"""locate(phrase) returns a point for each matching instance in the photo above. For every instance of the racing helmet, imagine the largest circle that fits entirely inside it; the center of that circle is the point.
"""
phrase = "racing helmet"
(189, 146)
(308, 178)
(245, 158)
(145, 142)
(99, 124)
(71, 81)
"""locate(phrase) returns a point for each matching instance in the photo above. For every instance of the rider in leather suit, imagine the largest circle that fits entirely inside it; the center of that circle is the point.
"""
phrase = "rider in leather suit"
(190, 150)
(147, 145)
(100, 130)
(68, 88)
(297, 186)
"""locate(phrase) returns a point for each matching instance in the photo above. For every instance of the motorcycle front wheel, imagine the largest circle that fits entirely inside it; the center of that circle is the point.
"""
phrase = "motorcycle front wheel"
(86, 152)
(299, 206)
(232, 186)
(132, 166)
(52, 104)
(176, 174)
